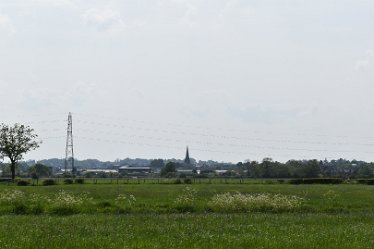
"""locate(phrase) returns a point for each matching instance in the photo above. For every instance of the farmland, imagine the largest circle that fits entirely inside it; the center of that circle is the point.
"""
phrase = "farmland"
(217, 215)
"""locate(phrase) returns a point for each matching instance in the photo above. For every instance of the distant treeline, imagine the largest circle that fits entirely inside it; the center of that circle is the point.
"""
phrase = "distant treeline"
(267, 168)
(306, 169)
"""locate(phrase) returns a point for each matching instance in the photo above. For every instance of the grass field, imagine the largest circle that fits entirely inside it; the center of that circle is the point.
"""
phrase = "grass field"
(327, 216)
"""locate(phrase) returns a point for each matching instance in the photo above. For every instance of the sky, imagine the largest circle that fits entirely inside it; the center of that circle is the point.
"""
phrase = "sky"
(232, 79)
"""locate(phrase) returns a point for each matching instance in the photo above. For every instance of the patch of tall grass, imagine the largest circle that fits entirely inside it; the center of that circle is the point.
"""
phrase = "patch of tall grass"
(185, 202)
(238, 202)
(167, 198)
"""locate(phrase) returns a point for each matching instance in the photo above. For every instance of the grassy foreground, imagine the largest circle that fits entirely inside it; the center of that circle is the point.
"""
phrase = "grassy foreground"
(168, 216)
(188, 231)
(161, 198)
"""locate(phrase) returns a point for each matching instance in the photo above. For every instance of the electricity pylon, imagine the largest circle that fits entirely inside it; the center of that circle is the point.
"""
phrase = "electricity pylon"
(69, 152)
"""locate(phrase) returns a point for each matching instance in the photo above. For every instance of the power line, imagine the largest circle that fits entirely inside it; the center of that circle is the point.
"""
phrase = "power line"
(304, 133)
(202, 134)
(247, 146)
(220, 137)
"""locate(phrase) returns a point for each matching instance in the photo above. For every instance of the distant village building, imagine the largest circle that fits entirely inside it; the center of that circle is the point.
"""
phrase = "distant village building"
(187, 158)
(134, 170)
(102, 171)
(186, 172)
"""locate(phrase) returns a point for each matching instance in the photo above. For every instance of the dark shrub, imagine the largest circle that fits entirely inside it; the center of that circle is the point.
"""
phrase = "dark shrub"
(79, 181)
(202, 175)
(37, 209)
(269, 182)
(316, 181)
(361, 181)
(187, 181)
(185, 208)
(68, 181)
(177, 181)
(20, 208)
(64, 210)
(104, 204)
(366, 181)
(23, 183)
(370, 182)
(296, 181)
(47, 182)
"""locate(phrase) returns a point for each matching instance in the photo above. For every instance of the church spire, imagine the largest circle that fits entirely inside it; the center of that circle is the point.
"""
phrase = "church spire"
(187, 159)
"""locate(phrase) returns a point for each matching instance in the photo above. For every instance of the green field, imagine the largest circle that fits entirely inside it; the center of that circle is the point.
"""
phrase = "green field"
(171, 216)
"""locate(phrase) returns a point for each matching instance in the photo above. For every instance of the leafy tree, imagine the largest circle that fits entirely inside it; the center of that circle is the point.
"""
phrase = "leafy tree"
(169, 169)
(312, 168)
(366, 170)
(15, 141)
(266, 166)
(157, 164)
(39, 170)
(5, 168)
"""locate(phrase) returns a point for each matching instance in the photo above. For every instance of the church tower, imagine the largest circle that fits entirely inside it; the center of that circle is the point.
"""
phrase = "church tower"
(187, 158)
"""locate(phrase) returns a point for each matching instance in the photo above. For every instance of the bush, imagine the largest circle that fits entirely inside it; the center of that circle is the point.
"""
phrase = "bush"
(64, 210)
(38, 209)
(269, 182)
(178, 181)
(316, 181)
(186, 201)
(366, 181)
(79, 181)
(20, 208)
(249, 202)
(23, 183)
(187, 181)
(104, 204)
(64, 203)
(125, 203)
(48, 182)
(68, 181)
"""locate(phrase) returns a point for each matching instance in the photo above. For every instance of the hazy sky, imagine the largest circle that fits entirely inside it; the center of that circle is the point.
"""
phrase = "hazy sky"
(233, 79)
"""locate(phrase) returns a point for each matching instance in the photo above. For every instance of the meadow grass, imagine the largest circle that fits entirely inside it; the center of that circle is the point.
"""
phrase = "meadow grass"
(188, 231)
(187, 216)
(161, 198)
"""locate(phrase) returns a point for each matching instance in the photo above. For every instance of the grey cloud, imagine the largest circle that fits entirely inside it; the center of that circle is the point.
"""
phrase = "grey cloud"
(56, 3)
(6, 26)
(103, 19)
(262, 114)
(366, 61)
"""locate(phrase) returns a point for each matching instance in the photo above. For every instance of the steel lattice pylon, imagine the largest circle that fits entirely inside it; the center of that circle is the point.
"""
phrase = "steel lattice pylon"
(69, 152)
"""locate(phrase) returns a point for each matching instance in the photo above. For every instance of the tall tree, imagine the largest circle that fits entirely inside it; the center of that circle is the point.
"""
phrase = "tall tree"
(169, 169)
(39, 170)
(157, 163)
(15, 141)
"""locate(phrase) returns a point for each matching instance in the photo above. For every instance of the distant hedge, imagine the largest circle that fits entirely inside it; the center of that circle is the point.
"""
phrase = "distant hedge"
(187, 181)
(23, 183)
(48, 182)
(68, 181)
(366, 181)
(316, 181)
(79, 181)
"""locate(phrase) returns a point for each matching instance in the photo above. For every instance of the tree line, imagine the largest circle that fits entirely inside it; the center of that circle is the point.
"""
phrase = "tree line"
(340, 168)
(19, 139)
